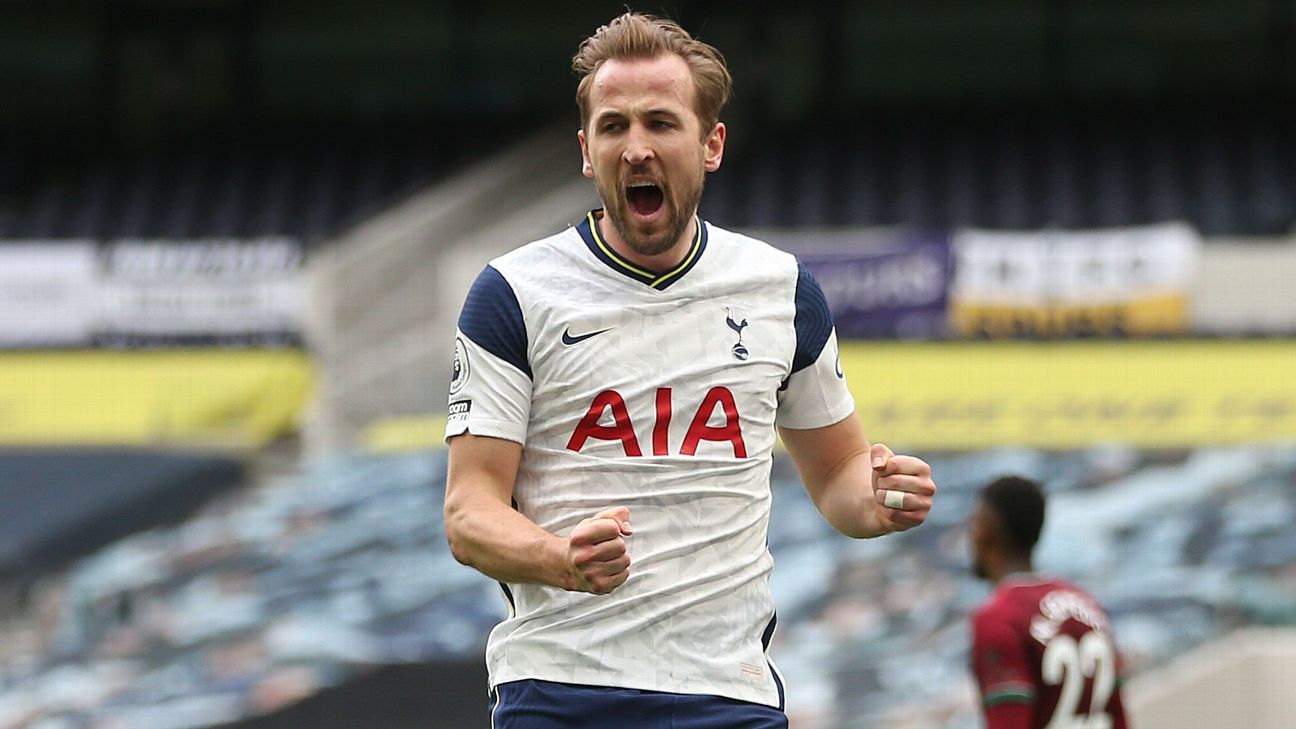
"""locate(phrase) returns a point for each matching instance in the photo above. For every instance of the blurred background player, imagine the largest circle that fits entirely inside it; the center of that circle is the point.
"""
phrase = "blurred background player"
(1042, 649)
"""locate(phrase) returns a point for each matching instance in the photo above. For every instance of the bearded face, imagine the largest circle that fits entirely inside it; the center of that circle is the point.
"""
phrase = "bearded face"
(649, 212)
(646, 151)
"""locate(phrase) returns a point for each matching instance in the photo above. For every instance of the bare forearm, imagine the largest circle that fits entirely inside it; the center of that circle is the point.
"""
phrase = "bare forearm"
(502, 543)
(846, 499)
(862, 490)
(834, 463)
(485, 532)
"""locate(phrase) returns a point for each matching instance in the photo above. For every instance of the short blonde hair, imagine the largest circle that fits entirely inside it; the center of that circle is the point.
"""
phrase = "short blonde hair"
(634, 35)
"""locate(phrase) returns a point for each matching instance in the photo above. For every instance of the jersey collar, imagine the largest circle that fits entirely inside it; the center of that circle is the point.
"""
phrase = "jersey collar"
(589, 232)
(1023, 579)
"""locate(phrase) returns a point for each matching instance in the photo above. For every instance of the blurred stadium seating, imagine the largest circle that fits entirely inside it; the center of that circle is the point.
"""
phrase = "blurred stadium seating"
(264, 597)
(306, 183)
(234, 238)
(315, 581)
(1225, 166)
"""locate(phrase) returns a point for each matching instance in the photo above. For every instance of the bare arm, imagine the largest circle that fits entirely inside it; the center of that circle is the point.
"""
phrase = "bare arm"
(485, 531)
(849, 481)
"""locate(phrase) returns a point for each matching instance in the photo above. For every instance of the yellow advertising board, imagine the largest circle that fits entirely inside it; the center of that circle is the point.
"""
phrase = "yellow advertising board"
(219, 397)
(1067, 394)
(412, 433)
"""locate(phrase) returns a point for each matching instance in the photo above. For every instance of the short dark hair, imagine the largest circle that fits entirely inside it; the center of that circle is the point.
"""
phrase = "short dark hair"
(1019, 503)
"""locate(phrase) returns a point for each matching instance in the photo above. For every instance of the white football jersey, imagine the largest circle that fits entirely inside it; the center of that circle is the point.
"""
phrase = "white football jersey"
(659, 392)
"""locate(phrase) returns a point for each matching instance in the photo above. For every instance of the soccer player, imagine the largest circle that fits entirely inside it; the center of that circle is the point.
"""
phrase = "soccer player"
(1042, 649)
(613, 409)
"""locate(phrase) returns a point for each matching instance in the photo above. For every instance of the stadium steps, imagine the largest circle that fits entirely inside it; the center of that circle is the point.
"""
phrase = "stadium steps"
(1242, 679)
(385, 294)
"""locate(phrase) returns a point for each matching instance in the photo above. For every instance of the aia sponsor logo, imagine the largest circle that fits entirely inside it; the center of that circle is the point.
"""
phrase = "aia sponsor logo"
(622, 428)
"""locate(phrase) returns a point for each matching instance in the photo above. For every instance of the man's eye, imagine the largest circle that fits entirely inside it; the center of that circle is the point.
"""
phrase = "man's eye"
(612, 127)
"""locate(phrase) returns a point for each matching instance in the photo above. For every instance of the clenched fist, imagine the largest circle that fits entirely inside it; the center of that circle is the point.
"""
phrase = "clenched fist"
(596, 551)
(903, 487)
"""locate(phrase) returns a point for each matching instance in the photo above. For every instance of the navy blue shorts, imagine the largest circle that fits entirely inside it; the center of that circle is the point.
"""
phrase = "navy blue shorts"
(534, 704)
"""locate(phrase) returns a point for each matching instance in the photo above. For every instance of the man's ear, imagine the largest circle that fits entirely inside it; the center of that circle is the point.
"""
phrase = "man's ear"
(715, 147)
(587, 168)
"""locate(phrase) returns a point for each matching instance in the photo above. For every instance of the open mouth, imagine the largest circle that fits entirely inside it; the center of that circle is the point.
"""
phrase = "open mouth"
(645, 198)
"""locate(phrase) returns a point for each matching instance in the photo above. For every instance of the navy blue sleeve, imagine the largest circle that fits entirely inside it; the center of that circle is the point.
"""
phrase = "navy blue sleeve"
(492, 319)
(813, 321)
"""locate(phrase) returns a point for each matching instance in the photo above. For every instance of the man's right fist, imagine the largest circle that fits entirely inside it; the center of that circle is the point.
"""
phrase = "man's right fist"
(596, 551)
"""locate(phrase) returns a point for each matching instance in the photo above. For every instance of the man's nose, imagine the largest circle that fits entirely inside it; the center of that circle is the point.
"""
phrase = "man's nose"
(638, 146)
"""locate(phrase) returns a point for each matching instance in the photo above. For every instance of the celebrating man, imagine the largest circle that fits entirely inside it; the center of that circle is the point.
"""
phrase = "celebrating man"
(613, 414)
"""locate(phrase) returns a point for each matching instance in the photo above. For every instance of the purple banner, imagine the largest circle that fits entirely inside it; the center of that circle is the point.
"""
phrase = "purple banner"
(899, 291)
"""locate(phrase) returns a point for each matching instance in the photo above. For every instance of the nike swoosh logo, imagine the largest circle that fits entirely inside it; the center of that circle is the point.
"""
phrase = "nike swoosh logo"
(567, 337)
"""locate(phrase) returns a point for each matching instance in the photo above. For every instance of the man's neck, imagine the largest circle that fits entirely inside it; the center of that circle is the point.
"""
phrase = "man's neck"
(660, 263)
(1010, 567)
